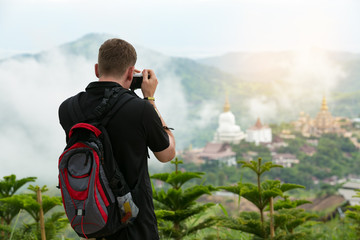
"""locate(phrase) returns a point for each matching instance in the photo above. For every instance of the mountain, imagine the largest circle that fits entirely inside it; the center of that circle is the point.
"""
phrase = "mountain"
(190, 95)
(257, 66)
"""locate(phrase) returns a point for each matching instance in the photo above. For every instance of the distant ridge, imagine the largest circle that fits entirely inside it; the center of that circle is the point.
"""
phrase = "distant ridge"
(87, 46)
(190, 95)
(274, 66)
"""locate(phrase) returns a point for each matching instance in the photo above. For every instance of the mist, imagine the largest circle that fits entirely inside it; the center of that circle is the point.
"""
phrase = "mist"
(35, 85)
(297, 83)
(31, 137)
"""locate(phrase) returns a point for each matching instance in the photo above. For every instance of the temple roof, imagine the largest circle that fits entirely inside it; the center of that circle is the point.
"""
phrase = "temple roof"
(258, 125)
(214, 151)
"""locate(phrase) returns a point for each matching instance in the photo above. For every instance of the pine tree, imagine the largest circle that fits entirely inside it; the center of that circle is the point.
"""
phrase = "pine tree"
(176, 209)
(13, 203)
(353, 214)
(8, 187)
(277, 225)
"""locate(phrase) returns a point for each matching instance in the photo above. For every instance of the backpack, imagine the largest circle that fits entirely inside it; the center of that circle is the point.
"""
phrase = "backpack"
(96, 197)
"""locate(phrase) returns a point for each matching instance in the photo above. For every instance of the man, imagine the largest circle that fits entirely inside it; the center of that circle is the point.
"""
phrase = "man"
(136, 126)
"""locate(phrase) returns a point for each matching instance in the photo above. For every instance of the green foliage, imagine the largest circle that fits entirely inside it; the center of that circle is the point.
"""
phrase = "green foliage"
(176, 180)
(335, 156)
(248, 222)
(337, 228)
(258, 167)
(12, 204)
(176, 199)
(199, 85)
(332, 152)
(287, 204)
(278, 128)
(177, 208)
(5, 229)
(244, 147)
(286, 218)
(353, 214)
(29, 203)
(8, 187)
(53, 225)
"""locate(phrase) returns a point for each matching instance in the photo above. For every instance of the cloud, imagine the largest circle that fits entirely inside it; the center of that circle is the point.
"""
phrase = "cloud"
(306, 77)
(263, 108)
(33, 89)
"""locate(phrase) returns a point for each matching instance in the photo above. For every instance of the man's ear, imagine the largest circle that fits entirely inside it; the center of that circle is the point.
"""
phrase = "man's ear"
(130, 73)
(97, 70)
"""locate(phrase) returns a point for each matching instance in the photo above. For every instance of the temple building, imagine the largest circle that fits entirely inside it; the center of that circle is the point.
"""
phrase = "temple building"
(219, 154)
(286, 160)
(228, 131)
(348, 191)
(323, 123)
(259, 133)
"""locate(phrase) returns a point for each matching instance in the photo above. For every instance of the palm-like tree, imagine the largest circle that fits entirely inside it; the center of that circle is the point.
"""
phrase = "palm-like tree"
(11, 204)
(283, 221)
(29, 203)
(54, 223)
(8, 187)
(353, 214)
(177, 205)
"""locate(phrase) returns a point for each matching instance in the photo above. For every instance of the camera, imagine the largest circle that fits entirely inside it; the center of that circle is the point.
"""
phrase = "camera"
(137, 81)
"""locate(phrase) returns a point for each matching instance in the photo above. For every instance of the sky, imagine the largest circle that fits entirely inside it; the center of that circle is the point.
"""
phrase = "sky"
(187, 28)
(184, 28)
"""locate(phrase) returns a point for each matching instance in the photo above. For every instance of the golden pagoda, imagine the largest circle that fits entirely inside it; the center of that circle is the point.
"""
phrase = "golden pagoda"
(324, 122)
(324, 106)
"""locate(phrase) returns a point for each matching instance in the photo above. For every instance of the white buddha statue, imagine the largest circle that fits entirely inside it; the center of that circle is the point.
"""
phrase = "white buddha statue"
(228, 131)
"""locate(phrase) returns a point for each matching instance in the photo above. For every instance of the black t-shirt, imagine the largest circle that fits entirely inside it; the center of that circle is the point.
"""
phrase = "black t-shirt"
(132, 129)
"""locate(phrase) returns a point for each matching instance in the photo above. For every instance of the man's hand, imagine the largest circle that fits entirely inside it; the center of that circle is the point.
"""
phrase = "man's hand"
(149, 84)
(148, 88)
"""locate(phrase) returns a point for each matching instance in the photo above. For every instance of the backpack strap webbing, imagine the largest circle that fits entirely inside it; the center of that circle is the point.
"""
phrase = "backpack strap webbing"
(74, 109)
(115, 106)
(104, 111)
(102, 114)
(110, 98)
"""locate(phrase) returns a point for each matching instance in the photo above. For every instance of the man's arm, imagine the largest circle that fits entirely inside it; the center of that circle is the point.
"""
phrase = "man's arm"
(169, 153)
(148, 88)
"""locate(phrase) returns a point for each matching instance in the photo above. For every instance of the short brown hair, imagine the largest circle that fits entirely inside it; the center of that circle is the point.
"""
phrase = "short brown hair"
(115, 56)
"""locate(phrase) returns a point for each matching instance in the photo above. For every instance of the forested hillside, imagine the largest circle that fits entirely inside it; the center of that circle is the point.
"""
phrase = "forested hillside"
(190, 93)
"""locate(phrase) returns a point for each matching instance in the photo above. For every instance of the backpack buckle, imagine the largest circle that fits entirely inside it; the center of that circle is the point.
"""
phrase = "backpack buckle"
(80, 212)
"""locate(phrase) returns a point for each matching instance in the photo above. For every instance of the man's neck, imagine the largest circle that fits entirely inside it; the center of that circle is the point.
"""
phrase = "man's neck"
(111, 79)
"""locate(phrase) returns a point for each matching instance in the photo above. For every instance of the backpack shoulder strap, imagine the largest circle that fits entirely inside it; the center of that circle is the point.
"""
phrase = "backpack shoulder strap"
(117, 106)
(104, 111)
(74, 109)
(109, 105)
